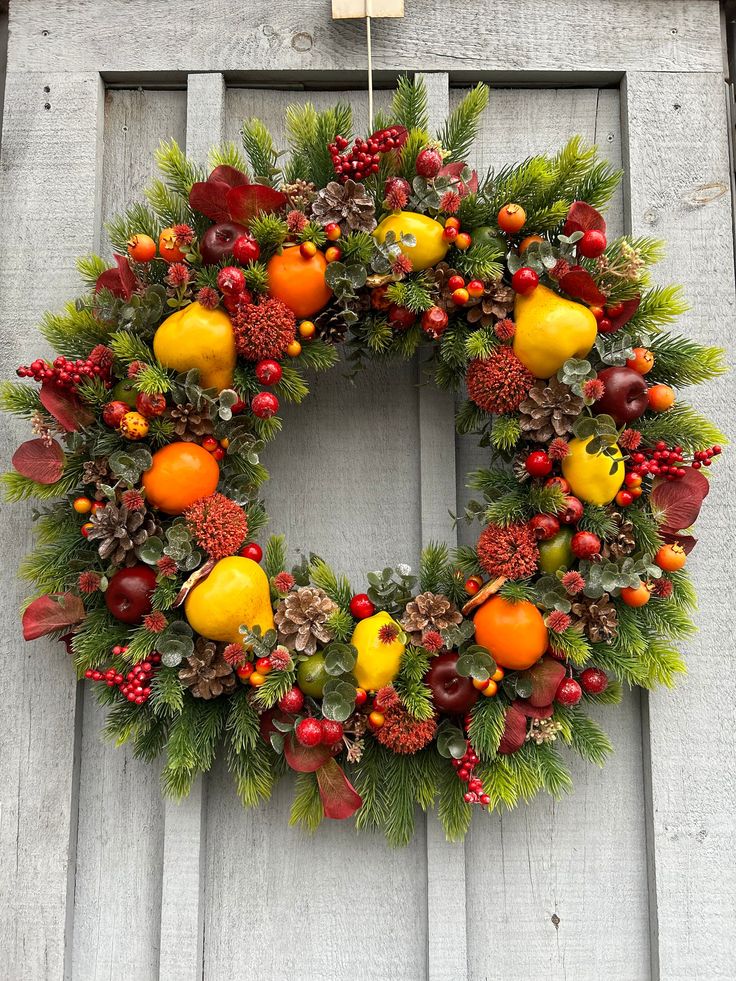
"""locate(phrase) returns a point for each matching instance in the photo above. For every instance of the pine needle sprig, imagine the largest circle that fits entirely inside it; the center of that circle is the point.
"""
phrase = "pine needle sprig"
(263, 155)
(453, 812)
(179, 172)
(90, 268)
(680, 425)
(414, 694)
(307, 811)
(412, 293)
(486, 728)
(274, 687)
(227, 154)
(583, 735)
(457, 135)
(409, 107)
(337, 587)
(598, 520)
(274, 559)
(679, 361)
(167, 694)
(19, 398)
(135, 220)
(659, 306)
(432, 566)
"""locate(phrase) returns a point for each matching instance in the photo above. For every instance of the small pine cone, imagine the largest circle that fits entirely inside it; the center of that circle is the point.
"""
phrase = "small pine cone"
(442, 273)
(348, 205)
(120, 532)
(191, 423)
(331, 326)
(623, 543)
(597, 617)
(496, 303)
(301, 619)
(429, 612)
(207, 674)
(549, 410)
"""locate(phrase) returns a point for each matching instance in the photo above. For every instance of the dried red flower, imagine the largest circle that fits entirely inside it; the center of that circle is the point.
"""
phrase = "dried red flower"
(499, 383)
(505, 329)
(134, 367)
(296, 221)
(402, 733)
(156, 622)
(263, 330)
(234, 654)
(283, 582)
(208, 298)
(630, 439)
(558, 449)
(217, 524)
(281, 659)
(558, 622)
(432, 641)
(450, 202)
(386, 698)
(133, 499)
(178, 274)
(663, 588)
(594, 389)
(88, 582)
(184, 234)
(396, 198)
(388, 633)
(167, 567)
(511, 551)
(401, 265)
(573, 582)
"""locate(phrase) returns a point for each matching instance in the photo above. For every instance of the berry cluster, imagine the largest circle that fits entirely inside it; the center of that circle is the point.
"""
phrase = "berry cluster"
(465, 766)
(363, 159)
(63, 372)
(312, 732)
(667, 461)
(135, 685)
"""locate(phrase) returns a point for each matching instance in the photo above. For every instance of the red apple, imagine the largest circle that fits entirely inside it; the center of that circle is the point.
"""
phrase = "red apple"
(128, 595)
(218, 241)
(451, 693)
(625, 395)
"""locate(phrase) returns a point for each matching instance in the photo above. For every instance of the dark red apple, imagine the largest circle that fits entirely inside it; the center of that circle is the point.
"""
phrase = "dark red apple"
(451, 693)
(128, 595)
(217, 242)
(625, 397)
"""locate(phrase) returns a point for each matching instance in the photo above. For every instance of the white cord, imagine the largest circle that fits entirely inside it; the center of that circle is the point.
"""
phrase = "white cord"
(370, 63)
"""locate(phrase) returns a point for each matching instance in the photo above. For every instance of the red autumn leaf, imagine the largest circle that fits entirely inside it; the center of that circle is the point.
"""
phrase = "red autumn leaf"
(39, 461)
(629, 309)
(228, 175)
(582, 217)
(533, 711)
(248, 200)
(51, 612)
(581, 285)
(339, 797)
(680, 500)
(305, 759)
(462, 187)
(546, 676)
(65, 407)
(686, 542)
(210, 197)
(514, 733)
(266, 723)
(120, 281)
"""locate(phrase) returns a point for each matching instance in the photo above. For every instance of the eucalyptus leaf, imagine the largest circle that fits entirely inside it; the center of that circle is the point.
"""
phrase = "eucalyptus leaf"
(451, 742)
(340, 658)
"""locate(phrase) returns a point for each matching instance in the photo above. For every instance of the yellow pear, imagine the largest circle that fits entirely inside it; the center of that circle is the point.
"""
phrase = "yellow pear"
(593, 477)
(196, 337)
(431, 246)
(235, 592)
(551, 329)
(379, 651)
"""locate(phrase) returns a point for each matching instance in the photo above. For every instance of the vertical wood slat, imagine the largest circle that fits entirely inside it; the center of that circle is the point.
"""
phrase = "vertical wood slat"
(679, 190)
(446, 918)
(182, 899)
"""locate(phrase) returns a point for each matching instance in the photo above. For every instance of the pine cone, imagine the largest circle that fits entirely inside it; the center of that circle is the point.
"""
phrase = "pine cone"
(301, 619)
(429, 611)
(496, 303)
(442, 273)
(597, 617)
(623, 542)
(190, 422)
(96, 472)
(300, 193)
(331, 326)
(120, 531)
(549, 410)
(348, 205)
(207, 673)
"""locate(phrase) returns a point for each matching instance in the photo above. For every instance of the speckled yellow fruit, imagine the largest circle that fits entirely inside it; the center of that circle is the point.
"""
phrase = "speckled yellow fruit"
(593, 477)
(431, 247)
(378, 663)
(235, 592)
(551, 329)
(196, 337)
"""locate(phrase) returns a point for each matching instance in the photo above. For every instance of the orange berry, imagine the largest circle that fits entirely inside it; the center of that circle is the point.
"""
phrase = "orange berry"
(333, 231)
(498, 674)
(224, 443)
(306, 329)
(643, 361)
(308, 249)
(453, 223)
(168, 246)
(82, 505)
(294, 349)
(142, 248)
(460, 296)
(661, 398)
(475, 288)
(671, 558)
(463, 241)
(332, 254)
(529, 240)
(86, 528)
(376, 719)
(481, 685)
(637, 595)
(490, 689)
(256, 679)
(511, 218)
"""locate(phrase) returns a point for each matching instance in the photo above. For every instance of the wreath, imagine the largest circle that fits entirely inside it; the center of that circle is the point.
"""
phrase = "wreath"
(457, 685)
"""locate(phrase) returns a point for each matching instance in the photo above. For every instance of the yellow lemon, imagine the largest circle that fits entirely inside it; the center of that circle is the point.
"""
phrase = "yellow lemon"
(431, 246)
(379, 651)
(593, 477)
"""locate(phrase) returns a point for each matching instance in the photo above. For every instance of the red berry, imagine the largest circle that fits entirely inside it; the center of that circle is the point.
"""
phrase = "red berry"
(475, 288)
(615, 309)
(429, 162)
(434, 322)
(624, 498)
(231, 280)
(594, 681)
(524, 281)
(605, 326)
(264, 405)
(572, 511)
(592, 244)
(236, 301)
(263, 665)
(150, 406)
(544, 526)
(309, 732)
(538, 464)
(246, 249)
(210, 444)
(268, 372)
(569, 692)
(332, 231)
(585, 544)
(331, 732)
(113, 412)
(292, 701)
(219, 454)
(455, 283)
(361, 607)
(361, 696)
(252, 551)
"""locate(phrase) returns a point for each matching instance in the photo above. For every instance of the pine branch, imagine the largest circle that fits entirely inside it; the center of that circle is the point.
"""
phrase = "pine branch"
(409, 104)
(465, 559)
(168, 207)
(317, 355)
(659, 306)
(74, 332)
(135, 220)
(252, 771)
(179, 172)
(275, 686)
(270, 231)
(599, 521)
(274, 560)
(150, 737)
(338, 588)
(646, 529)
(414, 694)
(292, 387)
(554, 775)
(243, 722)
(90, 268)
(167, 694)
(481, 343)
(681, 425)
(680, 361)
(368, 781)
(411, 293)
(358, 247)
(572, 645)
(340, 625)
(227, 155)
(19, 398)
(306, 809)
(459, 132)
(469, 418)
(481, 261)
(583, 734)
(453, 812)
(486, 729)
(432, 564)
(263, 156)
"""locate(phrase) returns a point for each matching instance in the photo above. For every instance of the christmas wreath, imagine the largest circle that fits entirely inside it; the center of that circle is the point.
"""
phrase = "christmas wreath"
(459, 684)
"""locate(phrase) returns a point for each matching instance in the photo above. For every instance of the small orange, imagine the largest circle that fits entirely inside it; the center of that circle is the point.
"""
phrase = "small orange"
(480, 685)
(511, 218)
(637, 595)
(661, 398)
(299, 282)
(307, 329)
(168, 246)
(498, 674)
(529, 240)
(256, 679)
(376, 719)
(643, 360)
(142, 248)
(82, 505)
(513, 633)
(671, 558)
(181, 474)
(333, 253)
(463, 241)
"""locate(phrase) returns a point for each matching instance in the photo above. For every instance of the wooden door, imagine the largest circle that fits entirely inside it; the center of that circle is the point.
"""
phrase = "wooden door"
(100, 878)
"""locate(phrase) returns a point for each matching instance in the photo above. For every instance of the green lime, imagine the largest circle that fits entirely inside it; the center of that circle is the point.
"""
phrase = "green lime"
(125, 391)
(485, 235)
(556, 553)
(311, 675)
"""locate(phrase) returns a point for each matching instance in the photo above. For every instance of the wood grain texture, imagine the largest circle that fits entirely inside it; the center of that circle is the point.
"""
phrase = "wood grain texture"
(535, 874)
(121, 812)
(48, 176)
(279, 35)
(679, 189)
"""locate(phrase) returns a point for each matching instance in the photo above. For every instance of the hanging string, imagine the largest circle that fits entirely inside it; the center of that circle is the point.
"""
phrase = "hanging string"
(370, 63)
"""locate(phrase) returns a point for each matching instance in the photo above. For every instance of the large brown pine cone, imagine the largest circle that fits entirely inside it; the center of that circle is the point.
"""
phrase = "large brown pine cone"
(301, 619)
(191, 423)
(429, 611)
(207, 673)
(120, 532)
(597, 617)
(549, 410)
(348, 205)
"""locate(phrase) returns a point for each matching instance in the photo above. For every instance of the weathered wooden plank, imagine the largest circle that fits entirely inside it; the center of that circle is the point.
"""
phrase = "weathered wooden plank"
(556, 37)
(121, 813)
(541, 879)
(678, 188)
(48, 176)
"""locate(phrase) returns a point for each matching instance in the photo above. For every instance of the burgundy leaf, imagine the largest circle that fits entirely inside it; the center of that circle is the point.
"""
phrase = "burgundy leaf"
(583, 217)
(339, 797)
(629, 309)
(305, 759)
(533, 711)
(462, 187)
(514, 733)
(581, 285)
(51, 612)
(65, 407)
(39, 461)
(267, 726)
(197, 576)
(120, 282)
(546, 676)
(686, 542)
(210, 198)
(680, 500)
(248, 200)
(228, 175)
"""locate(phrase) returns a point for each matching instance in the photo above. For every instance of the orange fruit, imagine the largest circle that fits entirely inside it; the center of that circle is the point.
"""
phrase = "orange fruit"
(671, 558)
(181, 473)
(168, 246)
(513, 633)
(661, 398)
(529, 240)
(643, 360)
(511, 218)
(637, 595)
(299, 282)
